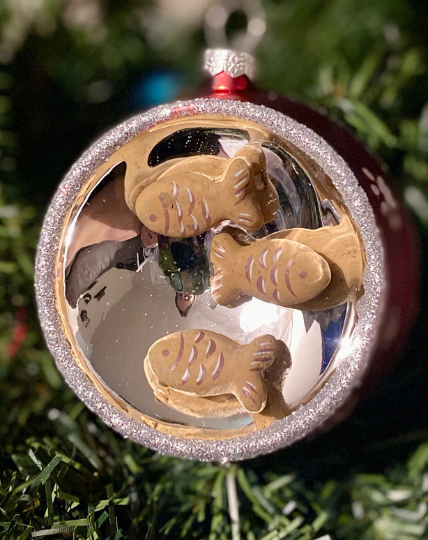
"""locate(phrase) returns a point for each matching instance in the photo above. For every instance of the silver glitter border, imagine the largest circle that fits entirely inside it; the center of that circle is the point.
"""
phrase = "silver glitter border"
(308, 418)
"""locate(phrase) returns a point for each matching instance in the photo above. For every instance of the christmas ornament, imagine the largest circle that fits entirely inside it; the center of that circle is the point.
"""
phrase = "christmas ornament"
(217, 278)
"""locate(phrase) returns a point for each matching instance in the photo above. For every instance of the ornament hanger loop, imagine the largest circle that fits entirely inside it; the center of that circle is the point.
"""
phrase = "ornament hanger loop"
(246, 40)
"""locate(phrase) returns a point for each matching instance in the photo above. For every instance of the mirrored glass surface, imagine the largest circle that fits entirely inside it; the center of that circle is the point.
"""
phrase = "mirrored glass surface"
(208, 275)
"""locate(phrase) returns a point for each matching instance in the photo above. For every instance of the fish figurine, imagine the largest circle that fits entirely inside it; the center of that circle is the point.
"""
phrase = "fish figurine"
(188, 203)
(204, 363)
(279, 271)
(341, 246)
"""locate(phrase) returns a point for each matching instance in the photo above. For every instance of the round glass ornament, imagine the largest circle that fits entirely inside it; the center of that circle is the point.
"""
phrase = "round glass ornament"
(217, 278)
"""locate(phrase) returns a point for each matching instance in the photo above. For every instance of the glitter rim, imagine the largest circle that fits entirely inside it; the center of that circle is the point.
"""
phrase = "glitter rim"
(347, 376)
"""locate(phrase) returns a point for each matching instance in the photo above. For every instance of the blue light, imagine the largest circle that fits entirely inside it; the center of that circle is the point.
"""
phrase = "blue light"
(156, 88)
(331, 338)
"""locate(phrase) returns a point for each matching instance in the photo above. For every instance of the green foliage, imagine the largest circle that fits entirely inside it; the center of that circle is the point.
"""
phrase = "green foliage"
(63, 473)
(81, 478)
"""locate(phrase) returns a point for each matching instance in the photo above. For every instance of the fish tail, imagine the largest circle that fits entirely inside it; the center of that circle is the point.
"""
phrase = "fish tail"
(244, 209)
(238, 177)
(255, 156)
(222, 256)
(262, 354)
(259, 356)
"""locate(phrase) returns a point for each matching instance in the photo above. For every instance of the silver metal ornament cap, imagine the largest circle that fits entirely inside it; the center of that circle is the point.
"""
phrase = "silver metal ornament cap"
(231, 62)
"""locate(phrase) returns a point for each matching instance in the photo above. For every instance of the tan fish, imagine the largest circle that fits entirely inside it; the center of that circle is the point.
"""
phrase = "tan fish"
(189, 203)
(341, 246)
(204, 363)
(278, 271)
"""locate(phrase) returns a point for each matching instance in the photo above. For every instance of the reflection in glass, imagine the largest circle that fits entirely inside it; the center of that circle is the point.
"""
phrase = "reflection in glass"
(126, 287)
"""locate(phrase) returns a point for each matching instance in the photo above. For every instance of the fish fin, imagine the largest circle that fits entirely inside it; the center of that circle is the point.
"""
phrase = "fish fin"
(222, 256)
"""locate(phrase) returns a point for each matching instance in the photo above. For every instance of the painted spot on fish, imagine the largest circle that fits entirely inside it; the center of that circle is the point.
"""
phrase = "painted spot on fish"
(202, 373)
(218, 367)
(210, 348)
(244, 219)
(206, 212)
(180, 354)
(191, 201)
(251, 387)
(218, 253)
(199, 337)
(186, 376)
(166, 214)
(261, 285)
(240, 172)
(176, 189)
(262, 258)
(274, 275)
(247, 394)
(193, 355)
(152, 217)
(287, 275)
(261, 352)
(165, 352)
(249, 268)
(276, 254)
